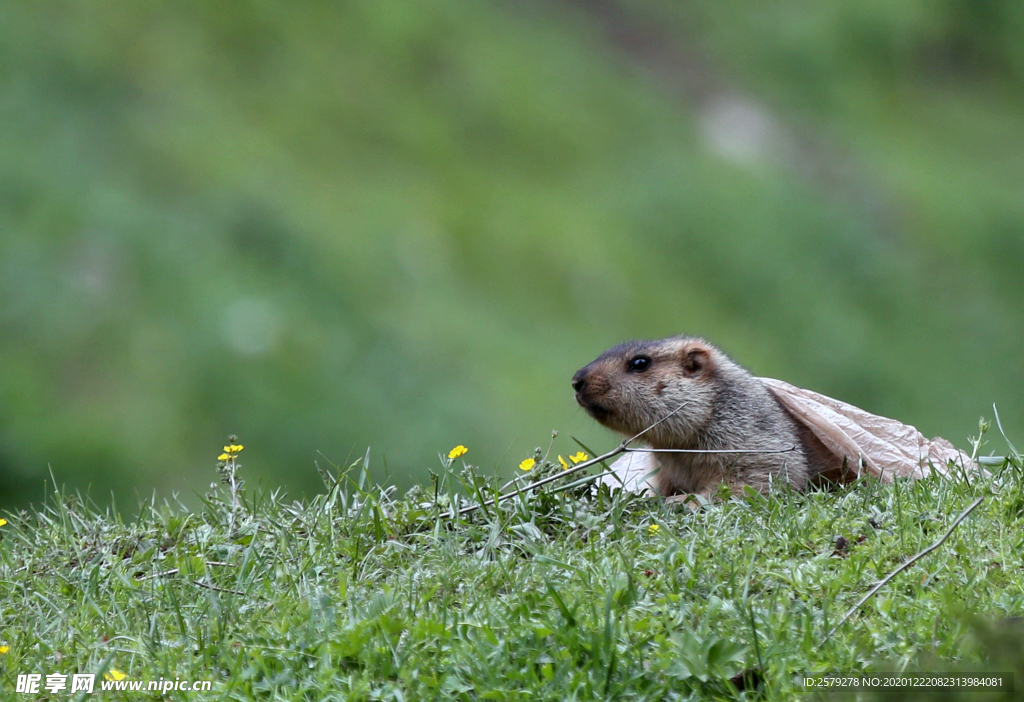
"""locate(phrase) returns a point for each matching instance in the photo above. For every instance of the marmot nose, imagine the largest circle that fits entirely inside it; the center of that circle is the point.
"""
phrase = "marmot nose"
(579, 381)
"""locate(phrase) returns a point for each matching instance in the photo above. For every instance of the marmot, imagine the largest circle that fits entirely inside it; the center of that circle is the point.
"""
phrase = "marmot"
(710, 402)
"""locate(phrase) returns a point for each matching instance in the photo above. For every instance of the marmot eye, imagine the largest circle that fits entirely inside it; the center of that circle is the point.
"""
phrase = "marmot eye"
(638, 364)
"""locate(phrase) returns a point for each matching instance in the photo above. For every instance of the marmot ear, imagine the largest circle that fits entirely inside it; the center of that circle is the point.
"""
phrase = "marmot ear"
(695, 361)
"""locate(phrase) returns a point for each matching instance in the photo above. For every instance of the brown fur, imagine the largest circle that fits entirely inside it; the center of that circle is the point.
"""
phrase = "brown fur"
(724, 407)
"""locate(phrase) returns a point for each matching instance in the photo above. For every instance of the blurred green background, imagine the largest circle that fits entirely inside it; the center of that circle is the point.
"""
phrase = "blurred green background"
(325, 226)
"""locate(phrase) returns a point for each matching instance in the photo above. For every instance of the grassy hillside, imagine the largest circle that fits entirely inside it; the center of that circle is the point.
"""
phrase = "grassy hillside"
(333, 226)
(363, 594)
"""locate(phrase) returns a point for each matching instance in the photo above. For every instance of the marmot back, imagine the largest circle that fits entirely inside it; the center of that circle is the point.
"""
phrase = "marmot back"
(710, 402)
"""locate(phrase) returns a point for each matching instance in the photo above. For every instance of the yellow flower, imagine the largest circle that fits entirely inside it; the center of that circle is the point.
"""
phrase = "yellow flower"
(2, 522)
(233, 448)
(653, 528)
(459, 450)
(4, 649)
(224, 457)
(578, 457)
(565, 466)
(114, 674)
(528, 464)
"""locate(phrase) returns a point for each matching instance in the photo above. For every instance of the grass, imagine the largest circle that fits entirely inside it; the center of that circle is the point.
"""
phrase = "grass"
(362, 594)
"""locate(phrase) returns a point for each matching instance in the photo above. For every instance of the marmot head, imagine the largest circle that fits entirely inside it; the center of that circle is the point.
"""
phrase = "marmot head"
(634, 385)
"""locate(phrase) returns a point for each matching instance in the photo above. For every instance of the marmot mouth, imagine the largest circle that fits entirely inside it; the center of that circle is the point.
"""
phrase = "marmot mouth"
(595, 410)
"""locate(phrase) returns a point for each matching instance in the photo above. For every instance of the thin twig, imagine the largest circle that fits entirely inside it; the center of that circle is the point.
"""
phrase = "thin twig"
(575, 469)
(510, 483)
(164, 574)
(903, 567)
(661, 450)
(629, 441)
(621, 448)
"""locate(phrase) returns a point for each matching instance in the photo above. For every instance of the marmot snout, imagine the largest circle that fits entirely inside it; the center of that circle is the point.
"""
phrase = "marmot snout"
(711, 403)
